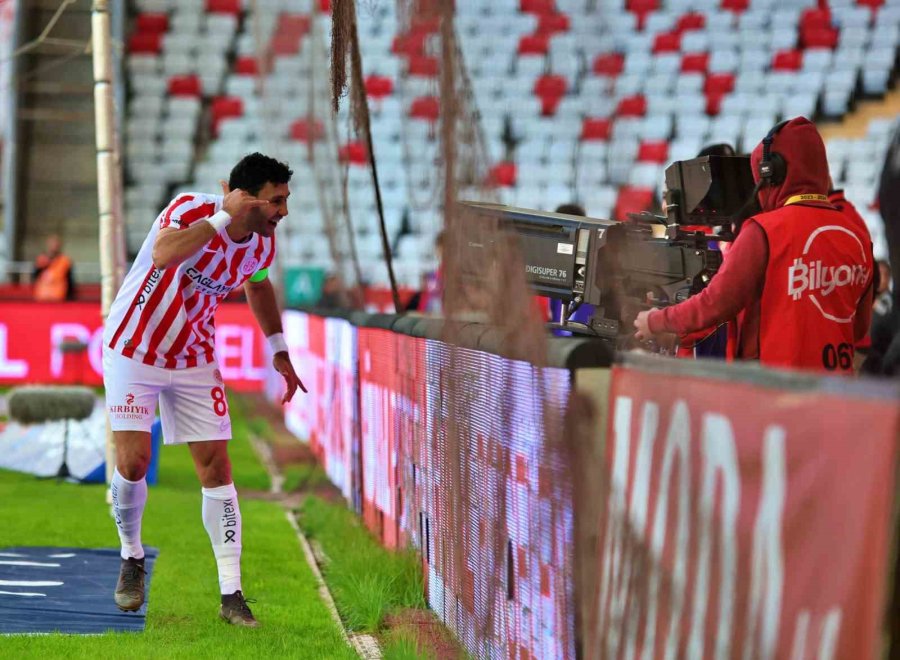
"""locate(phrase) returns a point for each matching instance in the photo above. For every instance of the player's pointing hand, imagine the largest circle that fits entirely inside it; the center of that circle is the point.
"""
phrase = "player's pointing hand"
(282, 364)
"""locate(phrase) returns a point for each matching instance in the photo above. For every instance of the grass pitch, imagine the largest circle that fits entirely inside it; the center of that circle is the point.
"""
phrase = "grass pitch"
(182, 619)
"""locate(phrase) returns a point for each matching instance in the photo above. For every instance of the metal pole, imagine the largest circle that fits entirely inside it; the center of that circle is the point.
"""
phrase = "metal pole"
(10, 174)
(109, 180)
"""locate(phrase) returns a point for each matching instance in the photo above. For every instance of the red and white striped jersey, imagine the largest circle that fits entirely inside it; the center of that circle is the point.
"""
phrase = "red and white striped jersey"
(165, 317)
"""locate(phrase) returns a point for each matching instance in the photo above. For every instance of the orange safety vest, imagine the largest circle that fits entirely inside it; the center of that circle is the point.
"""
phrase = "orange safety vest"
(820, 265)
(51, 284)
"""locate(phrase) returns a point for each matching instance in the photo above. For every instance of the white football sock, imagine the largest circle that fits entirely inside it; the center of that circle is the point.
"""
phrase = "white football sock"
(128, 499)
(222, 519)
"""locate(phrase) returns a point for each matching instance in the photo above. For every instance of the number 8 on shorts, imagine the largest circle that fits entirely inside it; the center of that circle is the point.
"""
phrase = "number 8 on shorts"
(220, 405)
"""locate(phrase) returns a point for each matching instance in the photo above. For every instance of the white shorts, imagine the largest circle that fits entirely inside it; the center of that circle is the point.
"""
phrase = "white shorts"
(192, 401)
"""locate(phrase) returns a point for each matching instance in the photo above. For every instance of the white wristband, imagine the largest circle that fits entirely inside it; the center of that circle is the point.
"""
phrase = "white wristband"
(219, 220)
(277, 343)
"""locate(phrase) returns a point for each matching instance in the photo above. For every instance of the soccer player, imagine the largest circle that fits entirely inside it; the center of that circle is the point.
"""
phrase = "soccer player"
(158, 347)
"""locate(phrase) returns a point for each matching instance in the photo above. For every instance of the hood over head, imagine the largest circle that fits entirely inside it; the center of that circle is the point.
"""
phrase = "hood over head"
(803, 151)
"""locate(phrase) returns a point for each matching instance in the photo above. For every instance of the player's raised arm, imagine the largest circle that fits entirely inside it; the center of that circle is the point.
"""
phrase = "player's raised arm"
(173, 245)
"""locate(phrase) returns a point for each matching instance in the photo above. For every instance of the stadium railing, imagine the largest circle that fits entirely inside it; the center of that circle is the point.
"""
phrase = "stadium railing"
(699, 507)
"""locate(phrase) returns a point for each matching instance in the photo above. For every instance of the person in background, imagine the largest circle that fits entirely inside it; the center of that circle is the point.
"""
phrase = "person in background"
(884, 301)
(841, 203)
(884, 356)
(428, 298)
(52, 276)
(334, 295)
(799, 277)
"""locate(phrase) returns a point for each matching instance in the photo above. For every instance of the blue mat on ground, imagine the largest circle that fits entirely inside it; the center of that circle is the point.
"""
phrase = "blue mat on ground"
(65, 590)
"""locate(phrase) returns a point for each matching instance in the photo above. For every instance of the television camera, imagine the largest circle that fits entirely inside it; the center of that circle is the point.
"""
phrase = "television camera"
(645, 261)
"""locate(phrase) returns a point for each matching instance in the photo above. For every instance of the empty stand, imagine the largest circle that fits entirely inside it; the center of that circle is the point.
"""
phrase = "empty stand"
(579, 101)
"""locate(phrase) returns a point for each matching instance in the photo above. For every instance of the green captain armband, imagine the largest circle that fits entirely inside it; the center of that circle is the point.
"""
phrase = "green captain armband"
(260, 275)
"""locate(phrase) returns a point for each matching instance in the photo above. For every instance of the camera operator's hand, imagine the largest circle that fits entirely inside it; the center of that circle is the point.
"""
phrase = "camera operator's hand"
(642, 325)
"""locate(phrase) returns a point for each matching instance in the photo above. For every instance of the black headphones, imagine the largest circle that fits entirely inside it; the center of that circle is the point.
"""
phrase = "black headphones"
(772, 166)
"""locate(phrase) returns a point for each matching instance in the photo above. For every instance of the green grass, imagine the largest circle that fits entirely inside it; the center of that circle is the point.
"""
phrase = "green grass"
(182, 616)
(303, 476)
(367, 581)
(400, 647)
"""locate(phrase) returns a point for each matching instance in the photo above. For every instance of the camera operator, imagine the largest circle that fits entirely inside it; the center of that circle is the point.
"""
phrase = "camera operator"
(798, 279)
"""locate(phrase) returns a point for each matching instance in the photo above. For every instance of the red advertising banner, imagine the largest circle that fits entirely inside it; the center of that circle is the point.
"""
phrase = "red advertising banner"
(378, 350)
(32, 337)
(305, 336)
(743, 521)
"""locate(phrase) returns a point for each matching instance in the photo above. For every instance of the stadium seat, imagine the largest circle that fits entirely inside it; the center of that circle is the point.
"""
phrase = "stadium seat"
(151, 22)
(654, 152)
(695, 62)
(596, 129)
(615, 82)
(503, 174)
(632, 106)
(149, 43)
(187, 85)
(632, 199)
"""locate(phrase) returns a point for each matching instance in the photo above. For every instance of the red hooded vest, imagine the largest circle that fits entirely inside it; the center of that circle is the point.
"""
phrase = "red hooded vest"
(819, 268)
(820, 262)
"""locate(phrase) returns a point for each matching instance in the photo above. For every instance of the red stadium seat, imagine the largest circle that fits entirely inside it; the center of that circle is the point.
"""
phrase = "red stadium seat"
(425, 26)
(642, 5)
(632, 106)
(534, 44)
(818, 37)
(737, 6)
(667, 42)
(246, 65)
(641, 8)
(305, 130)
(325, 6)
(549, 104)
(874, 4)
(225, 107)
(596, 129)
(151, 23)
(224, 7)
(690, 21)
(149, 43)
(294, 24)
(354, 153)
(788, 60)
(379, 86)
(550, 89)
(551, 85)
(286, 44)
(537, 6)
(503, 174)
(553, 24)
(815, 18)
(409, 45)
(719, 83)
(420, 65)
(714, 102)
(632, 200)
(425, 107)
(188, 85)
(694, 62)
(653, 151)
(609, 64)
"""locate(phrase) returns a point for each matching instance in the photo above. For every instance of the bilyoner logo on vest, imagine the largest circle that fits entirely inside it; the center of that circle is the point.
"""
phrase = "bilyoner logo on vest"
(816, 278)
